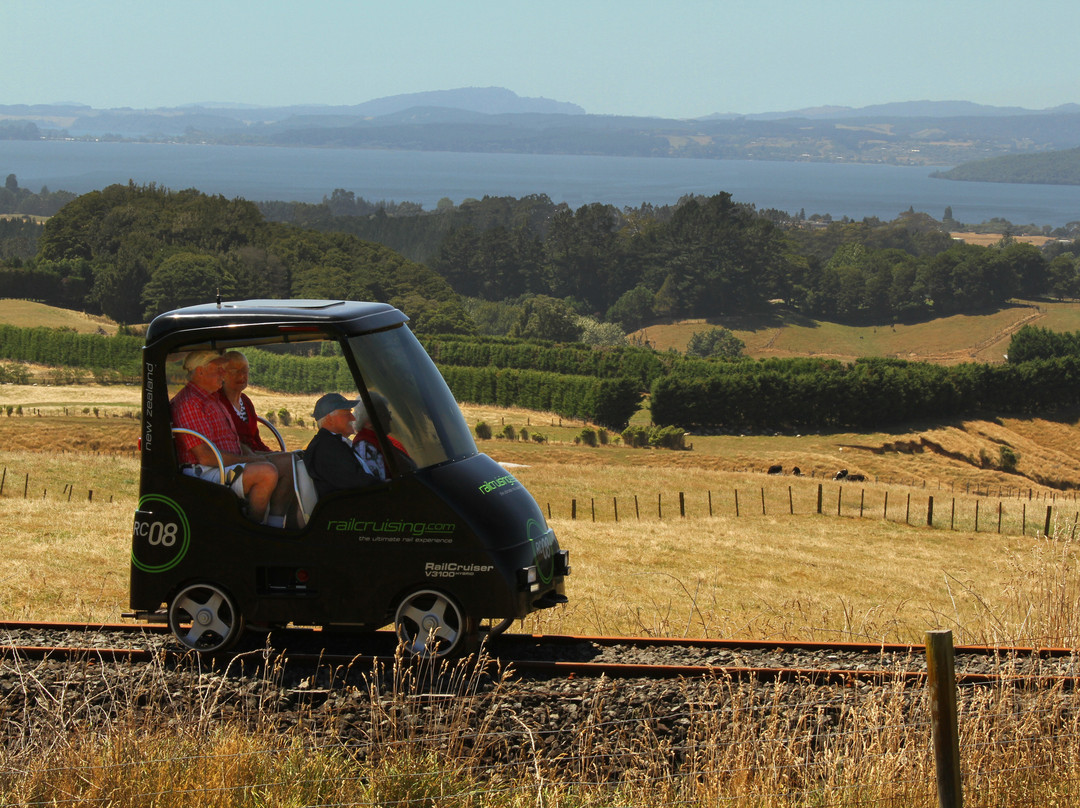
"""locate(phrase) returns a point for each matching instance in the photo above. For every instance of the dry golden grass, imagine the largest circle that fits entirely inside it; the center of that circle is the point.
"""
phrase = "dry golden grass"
(946, 340)
(28, 314)
(776, 569)
(781, 745)
(989, 239)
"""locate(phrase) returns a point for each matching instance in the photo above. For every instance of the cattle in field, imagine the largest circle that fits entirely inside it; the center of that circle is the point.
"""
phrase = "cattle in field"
(796, 471)
(840, 475)
(776, 470)
(856, 478)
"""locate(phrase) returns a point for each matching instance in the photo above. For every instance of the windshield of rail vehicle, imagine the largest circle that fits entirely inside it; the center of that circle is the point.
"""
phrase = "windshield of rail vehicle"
(424, 416)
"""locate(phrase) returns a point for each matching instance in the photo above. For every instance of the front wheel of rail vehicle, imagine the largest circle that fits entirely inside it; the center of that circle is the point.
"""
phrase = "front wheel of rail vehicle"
(204, 618)
(430, 624)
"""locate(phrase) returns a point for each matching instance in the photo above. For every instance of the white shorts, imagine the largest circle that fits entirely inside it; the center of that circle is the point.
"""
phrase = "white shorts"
(211, 475)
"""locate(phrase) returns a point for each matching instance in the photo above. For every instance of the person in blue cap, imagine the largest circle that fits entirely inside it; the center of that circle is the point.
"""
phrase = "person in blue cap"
(329, 458)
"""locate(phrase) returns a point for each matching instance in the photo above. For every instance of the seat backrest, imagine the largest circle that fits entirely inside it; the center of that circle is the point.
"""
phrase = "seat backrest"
(306, 495)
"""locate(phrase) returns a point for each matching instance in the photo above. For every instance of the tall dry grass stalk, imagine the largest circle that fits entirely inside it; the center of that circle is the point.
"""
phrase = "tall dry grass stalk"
(407, 735)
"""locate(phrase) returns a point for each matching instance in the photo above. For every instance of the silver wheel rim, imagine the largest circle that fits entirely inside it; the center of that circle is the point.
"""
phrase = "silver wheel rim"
(204, 618)
(429, 624)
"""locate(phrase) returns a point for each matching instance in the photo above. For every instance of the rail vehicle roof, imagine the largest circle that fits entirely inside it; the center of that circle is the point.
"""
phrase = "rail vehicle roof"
(268, 316)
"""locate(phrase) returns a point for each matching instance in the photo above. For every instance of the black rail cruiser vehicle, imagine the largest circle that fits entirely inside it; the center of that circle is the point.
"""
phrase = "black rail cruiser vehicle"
(448, 542)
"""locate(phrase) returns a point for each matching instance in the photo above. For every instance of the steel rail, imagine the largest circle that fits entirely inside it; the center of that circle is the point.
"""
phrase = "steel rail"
(505, 653)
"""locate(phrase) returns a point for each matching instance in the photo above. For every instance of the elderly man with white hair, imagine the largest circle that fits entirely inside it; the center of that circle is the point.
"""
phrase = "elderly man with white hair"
(329, 458)
(198, 408)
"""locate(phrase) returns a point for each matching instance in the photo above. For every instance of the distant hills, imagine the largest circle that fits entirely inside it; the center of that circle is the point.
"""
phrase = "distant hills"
(907, 109)
(493, 119)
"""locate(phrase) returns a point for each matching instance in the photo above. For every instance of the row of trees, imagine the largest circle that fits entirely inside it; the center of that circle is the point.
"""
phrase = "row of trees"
(62, 348)
(641, 364)
(608, 402)
(866, 394)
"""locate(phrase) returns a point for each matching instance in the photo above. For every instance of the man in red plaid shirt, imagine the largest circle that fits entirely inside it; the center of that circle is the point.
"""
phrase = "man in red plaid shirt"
(197, 407)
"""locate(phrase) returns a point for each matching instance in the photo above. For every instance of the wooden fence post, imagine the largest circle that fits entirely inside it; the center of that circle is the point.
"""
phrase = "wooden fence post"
(573, 509)
(710, 502)
(1046, 529)
(790, 501)
(976, 516)
(819, 498)
(941, 676)
(885, 510)
(615, 507)
(682, 504)
(762, 500)
(736, 501)
(930, 513)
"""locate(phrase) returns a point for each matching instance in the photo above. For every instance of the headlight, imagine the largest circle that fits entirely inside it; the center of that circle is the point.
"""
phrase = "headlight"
(529, 579)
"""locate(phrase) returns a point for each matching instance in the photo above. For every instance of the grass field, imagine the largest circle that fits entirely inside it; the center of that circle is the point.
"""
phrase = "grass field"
(947, 340)
(748, 556)
(28, 314)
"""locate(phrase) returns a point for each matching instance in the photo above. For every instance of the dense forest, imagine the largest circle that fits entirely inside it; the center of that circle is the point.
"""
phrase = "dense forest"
(132, 252)
(523, 267)
(703, 257)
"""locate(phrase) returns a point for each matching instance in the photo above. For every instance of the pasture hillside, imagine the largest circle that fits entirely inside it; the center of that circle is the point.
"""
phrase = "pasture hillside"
(946, 340)
(29, 314)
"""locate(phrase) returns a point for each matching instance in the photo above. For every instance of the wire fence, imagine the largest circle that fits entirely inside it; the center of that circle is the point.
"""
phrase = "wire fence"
(1042, 514)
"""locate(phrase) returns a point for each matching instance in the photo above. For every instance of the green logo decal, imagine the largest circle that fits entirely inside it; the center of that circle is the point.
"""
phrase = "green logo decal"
(161, 535)
(498, 482)
(543, 542)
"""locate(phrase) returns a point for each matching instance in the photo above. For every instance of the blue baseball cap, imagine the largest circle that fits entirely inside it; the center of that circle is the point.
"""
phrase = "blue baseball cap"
(330, 402)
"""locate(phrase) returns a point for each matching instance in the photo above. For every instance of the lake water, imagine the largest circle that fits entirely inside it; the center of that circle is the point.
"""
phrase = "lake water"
(307, 175)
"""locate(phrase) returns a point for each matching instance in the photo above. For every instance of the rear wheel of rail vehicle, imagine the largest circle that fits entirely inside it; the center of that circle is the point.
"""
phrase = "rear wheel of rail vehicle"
(430, 624)
(205, 618)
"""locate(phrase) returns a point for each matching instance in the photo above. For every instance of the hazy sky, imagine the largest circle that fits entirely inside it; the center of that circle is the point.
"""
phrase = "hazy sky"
(680, 58)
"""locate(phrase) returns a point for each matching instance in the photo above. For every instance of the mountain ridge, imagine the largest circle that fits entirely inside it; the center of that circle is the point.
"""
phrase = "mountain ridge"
(497, 120)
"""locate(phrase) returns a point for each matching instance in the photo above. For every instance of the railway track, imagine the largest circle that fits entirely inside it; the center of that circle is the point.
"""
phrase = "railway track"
(556, 656)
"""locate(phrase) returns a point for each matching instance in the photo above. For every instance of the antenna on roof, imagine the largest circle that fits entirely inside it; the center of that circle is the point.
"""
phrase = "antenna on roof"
(219, 298)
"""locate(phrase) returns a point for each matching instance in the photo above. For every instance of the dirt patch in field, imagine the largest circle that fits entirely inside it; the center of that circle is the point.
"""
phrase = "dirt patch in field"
(71, 434)
(987, 239)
